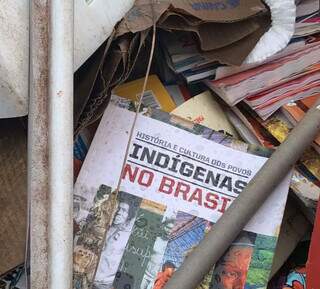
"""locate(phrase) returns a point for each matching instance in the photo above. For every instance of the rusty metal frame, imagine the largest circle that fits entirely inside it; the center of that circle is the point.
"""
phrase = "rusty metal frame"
(38, 166)
(50, 143)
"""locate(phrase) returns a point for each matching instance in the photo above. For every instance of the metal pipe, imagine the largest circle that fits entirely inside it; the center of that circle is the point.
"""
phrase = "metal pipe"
(38, 144)
(50, 147)
(60, 131)
(213, 246)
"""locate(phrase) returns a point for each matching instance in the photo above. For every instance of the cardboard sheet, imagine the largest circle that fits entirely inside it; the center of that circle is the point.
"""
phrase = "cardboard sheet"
(13, 193)
(236, 25)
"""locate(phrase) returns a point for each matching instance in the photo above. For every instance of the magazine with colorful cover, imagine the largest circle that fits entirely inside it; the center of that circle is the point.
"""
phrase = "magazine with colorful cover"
(179, 178)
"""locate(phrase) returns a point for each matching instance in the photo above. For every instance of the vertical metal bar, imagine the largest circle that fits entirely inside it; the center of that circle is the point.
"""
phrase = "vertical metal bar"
(50, 172)
(60, 143)
(38, 144)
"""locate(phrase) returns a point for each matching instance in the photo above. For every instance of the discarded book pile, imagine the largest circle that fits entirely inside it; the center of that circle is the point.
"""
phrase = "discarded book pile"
(205, 128)
(210, 118)
(171, 166)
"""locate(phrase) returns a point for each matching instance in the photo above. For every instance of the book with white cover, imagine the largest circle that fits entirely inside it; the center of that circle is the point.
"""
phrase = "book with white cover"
(178, 179)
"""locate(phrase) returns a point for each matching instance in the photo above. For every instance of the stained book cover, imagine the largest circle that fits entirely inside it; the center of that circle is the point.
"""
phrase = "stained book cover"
(179, 178)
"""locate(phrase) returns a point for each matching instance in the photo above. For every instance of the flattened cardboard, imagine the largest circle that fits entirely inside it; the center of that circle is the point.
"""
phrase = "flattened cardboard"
(236, 53)
(142, 14)
(220, 10)
(213, 35)
(13, 193)
(114, 69)
(217, 35)
(237, 20)
(84, 78)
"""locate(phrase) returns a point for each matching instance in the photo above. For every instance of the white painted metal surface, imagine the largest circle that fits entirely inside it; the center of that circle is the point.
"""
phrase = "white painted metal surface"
(94, 21)
(60, 133)
(14, 46)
